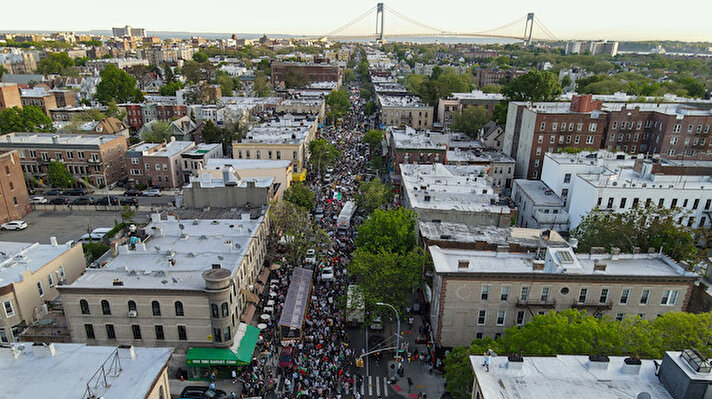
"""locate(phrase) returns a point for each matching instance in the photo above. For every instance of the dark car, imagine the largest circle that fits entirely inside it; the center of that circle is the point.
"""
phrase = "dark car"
(375, 342)
(128, 201)
(77, 191)
(83, 201)
(107, 201)
(202, 392)
(59, 201)
(286, 359)
(133, 193)
(53, 192)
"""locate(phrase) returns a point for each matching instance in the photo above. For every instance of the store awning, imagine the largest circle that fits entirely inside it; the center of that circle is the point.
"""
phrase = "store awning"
(239, 355)
(245, 341)
(300, 176)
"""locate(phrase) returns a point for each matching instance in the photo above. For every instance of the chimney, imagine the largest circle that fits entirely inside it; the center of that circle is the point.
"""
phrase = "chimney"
(515, 361)
(598, 250)
(631, 365)
(55, 139)
(537, 264)
(40, 349)
(598, 362)
(599, 265)
(615, 251)
(463, 263)
(9, 352)
(636, 250)
(503, 248)
(127, 351)
(53, 241)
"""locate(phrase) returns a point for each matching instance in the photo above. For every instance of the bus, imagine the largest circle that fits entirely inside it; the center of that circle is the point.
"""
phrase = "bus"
(355, 305)
(347, 213)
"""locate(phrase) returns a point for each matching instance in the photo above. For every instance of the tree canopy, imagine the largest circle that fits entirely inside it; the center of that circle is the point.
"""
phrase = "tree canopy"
(157, 131)
(29, 118)
(374, 138)
(170, 88)
(200, 57)
(58, 175)
(295, 226)
(322, 154)
(261, 85)
(300, 195)
(117, 86)
(54, 63)
(373, 195)
(470, 120)
(534, 85)
(645, 226)
(441, 83)
(391, 231)
(338, 102)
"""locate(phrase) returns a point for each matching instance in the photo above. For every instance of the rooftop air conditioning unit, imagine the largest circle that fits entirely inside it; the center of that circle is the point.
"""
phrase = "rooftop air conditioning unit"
(133, 313)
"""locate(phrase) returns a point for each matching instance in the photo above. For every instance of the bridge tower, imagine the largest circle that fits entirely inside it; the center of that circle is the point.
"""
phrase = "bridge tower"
(379, 28)
(528, 28)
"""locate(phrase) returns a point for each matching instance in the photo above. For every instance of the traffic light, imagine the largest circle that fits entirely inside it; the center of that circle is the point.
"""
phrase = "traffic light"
(359, 362)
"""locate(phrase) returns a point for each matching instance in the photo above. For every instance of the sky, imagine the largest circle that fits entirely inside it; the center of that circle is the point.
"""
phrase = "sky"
(686, 20)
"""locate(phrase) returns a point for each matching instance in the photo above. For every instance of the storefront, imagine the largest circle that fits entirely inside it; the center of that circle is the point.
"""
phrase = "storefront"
(202, 362)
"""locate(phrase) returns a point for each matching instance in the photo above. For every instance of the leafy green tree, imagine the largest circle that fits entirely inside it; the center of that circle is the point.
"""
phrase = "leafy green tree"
(94, 250)
(58, 175)
(54, 63)
(227, 83)
(294, 225)
(117, 86)
(170, 88)
(374, 138)
(373, 195)
(470, 120)
(192, 71)
(499, 114)
(295, 78)
(3, 71)
(566, 81)
(261, 85)
(693, 87)
(441, 83)
(349, 75)
(29, 118)
(157, 132)
(113, 111)
(300, 195)
(533, 86)
(168, 74)
(644, 227)
(322, 154)
(492, 88)
(391, 231)
(264, 66)
(200, 57)
(370, 108)
(224, 135)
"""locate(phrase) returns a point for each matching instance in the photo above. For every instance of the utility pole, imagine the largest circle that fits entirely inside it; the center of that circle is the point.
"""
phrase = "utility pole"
(398, 348)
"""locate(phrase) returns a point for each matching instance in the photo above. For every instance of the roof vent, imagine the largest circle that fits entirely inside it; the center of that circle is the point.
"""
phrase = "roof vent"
(599, 265)
(117, 283)
(463, 264)
(598, 362)
(537, 264)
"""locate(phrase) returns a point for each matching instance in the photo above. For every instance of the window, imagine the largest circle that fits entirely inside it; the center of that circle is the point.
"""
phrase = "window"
(158, 166)
(689, 128)
(577, 140)
(225, 310)
(279, 154)
(583, 295)
(579, 127)
(89, 329)
(50, 280)
(542, 127)
(501, 315)
(620, 316)
(505, 293)
(707, 204)
(538, 151)
(159, 333)
(84, 306)
(696, 203)
(610, 203)
(479, 335)
(589, 140)
(179, 308)
(623, 203)
(624, 296)
(567, 178)
(520, 317)
(669, 297)
(604, 295)
(554, 126)
(105, 308)
(110, 332)
(40, 288)
(226, 334)
(552, 139)
(677, 128)
(214, 312)
(485, 292)
(44, 156)
(156, 308)
(592, 127)
(217, 334)
(132, 306)
(545, 294)
(482, 317)
(540, 139)
(136, 330)
(673, 204)
(644, 296)
(182, 335)
(524, 294)
(673, 140)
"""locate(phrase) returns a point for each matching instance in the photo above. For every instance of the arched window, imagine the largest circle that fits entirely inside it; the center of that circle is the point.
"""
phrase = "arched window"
(179, 308)
(161, 395)
(214, 310)
(84, 305)
(225, 309)
(156, 308)
(105, 308)
(132, 306)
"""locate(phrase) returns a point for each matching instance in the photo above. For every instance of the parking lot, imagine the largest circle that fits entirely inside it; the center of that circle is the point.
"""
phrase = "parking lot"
(63, 225)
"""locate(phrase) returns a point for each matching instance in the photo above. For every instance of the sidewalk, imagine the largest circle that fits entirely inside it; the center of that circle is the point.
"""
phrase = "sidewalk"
(177, 386)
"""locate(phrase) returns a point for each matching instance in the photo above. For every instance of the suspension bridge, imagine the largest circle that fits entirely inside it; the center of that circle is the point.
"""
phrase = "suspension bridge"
(401, 26)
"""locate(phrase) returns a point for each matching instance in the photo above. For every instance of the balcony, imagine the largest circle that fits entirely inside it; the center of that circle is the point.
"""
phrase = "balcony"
(593, 305)
(529, 303)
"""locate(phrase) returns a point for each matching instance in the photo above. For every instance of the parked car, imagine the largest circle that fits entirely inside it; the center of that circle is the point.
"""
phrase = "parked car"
(375, 342)
(311, 256)
(59, 201)
(319, 213)
(83, 201)
(376, 323)
(95, 235)
(327, 273)
(128, 202)
(154, 192)
(53, 192)
(14, 225)
(202, 392)
(77, 191)
(38, 200)
(132, 192)
(106, 201)
(286, 359)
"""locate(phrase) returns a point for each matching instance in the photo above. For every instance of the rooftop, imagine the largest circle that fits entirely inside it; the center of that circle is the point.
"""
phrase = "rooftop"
(71, 368)
(458, 232)
(322, 85)
(539, 192)
(227, 176)
(477, 156)
(286, 130)
(675, 109)
(57, 139)
(34, 92)
(201, 149)
(218, 163)
(18, 257)
(401, 101)
(478, 95)
(413, 139)
(565, 377)
(170, 149)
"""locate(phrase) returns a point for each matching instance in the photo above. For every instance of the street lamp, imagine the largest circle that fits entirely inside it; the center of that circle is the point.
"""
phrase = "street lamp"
(397, 356)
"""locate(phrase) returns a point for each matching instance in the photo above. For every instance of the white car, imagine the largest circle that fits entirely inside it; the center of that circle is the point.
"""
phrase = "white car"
(14, 225)
(377, 323)
(327, 273)
(154, 192)
(311, 256)
(38, 200)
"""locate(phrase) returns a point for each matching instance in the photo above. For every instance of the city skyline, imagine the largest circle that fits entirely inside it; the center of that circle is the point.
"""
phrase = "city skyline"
(317, 17)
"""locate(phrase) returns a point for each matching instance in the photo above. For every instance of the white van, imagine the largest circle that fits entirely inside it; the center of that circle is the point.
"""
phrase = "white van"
(95, 235)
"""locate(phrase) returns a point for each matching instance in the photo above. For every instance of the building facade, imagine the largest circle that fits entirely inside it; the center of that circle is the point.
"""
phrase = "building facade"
(311, 71)
(14, 198)
(9, 96)
(158, 164)
(401, 111)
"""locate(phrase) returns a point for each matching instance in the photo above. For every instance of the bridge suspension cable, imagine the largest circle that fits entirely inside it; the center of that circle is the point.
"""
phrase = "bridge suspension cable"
(540, 25)
(405, 17)
(352, 22)
(505, 26)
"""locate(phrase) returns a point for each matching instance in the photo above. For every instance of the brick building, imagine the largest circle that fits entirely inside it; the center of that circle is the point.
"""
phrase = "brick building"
(158, 164)
(312, 72)
(9, 96)
(14, 200)
(40, 98)
(64, 98)
(495, 76)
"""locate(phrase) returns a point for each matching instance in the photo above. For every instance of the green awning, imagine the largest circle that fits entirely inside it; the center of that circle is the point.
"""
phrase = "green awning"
(225, 356)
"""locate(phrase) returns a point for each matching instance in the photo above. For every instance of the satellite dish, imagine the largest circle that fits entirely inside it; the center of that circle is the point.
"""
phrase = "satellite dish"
(643, 395)
(180, 226)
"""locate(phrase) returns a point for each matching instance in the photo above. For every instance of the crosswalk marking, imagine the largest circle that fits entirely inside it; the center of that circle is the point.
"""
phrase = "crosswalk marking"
(377, 387)
(370, 386)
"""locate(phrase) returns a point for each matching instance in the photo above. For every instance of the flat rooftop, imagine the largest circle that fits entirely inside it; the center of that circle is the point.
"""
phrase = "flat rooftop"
(558, 261)
(66, 374)
(219, 163)
(565, 376)
(401, 101)
(675, 109)
(284, 131)
(477, 156)
(421, 140)
(201, 149)
(17, 257)
(538, 192)
(478, 95)
(172, 148)
(54, 139)
(211, 178)
(629, 178)
(458, 232)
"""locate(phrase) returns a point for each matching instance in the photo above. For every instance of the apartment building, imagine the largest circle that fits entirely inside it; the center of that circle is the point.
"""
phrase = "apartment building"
(97, 158)
(38, 97)
(302, 106)
(401, 111)
(158, 164)
(495, 76)
(188, 283)
(64, 98)
(539, 206)
(128, 31)
(455, 103)
(14, 199)
(408, 146)
(225, 188)
(281, 171)
(311, 71)
(29, 276)
(10, 96)
(481, 293)
(195, 159)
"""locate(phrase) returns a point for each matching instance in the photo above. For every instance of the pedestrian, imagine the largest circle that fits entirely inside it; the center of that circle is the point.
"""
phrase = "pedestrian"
(234, 376)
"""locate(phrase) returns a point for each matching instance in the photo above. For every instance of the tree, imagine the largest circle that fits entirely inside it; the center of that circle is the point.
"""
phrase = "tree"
(295, 78)
(261, 86)
(566, 81)
(58, 175)
(54, 63)
(370, 108)
(499, 115)
(300, 195)
(113, 111)
(225, 135)
(391, 231)
(295, 228)
(349, 75)
(3, 71)
(322, 154)
(157, 131)
(117, 86)
(168, 75)
(643, 227)
(192, 71)
(200, 57)
(373, 195)
(693, 87)
(170, 88)
(227, 83)
(374, 138)
(533, 86)
(30, 118)
(470, 120)
(441, 83)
